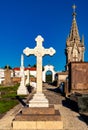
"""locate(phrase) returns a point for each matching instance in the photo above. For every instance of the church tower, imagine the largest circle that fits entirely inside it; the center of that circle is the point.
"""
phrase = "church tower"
(74, 45)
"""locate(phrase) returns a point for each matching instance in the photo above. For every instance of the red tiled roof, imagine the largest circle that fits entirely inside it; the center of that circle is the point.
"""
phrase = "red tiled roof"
(31, 69)
(18, 69)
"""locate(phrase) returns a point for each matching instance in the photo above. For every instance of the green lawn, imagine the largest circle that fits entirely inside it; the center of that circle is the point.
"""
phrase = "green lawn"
(8, 98)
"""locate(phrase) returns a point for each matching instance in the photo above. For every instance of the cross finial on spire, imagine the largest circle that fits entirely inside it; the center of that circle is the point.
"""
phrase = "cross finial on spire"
(74, 13)
(74, 7)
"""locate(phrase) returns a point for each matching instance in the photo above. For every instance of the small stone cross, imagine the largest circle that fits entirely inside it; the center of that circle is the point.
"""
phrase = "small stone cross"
(39, 51)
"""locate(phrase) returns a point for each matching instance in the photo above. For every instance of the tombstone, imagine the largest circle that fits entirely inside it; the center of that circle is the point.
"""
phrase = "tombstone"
(40, 115)
(8, 80)
(22, 90)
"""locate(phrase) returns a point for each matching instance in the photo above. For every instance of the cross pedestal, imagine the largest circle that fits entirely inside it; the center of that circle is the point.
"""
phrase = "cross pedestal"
(39, 100)
(40, 115)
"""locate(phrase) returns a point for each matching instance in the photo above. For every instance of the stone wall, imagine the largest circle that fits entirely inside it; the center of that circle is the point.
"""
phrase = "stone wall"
(78, 77)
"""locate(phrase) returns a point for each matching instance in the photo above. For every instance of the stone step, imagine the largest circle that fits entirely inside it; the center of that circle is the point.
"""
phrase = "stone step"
(37, 125)
(42, 111)
(38, 118)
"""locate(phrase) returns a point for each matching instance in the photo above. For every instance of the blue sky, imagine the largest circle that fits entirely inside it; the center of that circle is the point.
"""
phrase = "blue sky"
(22, 20)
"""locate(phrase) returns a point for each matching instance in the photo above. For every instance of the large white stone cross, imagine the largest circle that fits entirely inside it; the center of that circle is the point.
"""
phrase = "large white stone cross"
(39, 51)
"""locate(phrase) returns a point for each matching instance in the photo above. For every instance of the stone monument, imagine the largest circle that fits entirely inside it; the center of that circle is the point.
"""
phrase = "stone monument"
(22, 90)
(39, 100)
(40, 115)
(8, 80)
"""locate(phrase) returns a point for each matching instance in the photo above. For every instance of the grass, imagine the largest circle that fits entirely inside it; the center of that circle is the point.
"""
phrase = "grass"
(8, 98)
(7, 105)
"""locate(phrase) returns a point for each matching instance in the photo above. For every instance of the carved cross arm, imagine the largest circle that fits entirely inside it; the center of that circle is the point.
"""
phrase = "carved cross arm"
(50, 51)
(27, 51)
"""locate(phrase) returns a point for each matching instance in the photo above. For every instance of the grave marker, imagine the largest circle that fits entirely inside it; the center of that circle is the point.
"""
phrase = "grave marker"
(39, 100)
(22, 90)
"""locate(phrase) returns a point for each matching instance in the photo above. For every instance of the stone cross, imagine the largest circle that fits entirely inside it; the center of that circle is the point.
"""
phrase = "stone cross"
(39, 99)
(39, 51)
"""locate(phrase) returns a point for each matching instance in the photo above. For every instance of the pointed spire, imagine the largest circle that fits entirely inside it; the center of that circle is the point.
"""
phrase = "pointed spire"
(74, 34)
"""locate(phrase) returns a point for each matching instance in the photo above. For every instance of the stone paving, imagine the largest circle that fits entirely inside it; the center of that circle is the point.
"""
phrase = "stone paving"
(71, 119)
(6, 121)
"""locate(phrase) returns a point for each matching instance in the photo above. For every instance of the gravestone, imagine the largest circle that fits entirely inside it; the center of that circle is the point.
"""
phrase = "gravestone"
(40, 115)
(7, 74)
(22, 90)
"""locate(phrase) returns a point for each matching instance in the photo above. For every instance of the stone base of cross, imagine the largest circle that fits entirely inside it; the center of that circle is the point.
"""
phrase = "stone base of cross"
(39, 100)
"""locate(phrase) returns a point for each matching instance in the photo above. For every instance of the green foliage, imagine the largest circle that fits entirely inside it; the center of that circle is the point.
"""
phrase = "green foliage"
(7, 66)
(34, 65)
(29, 65)
(6, 105)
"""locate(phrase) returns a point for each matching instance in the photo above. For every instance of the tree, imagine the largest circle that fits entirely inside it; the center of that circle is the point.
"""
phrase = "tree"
(34, 65)
(7, 66)
(29, 65)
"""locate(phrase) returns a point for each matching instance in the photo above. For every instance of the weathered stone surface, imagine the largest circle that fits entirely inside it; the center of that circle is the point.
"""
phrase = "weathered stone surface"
(78, 77)
(8, 80)
(41, 111)
(38, 118)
